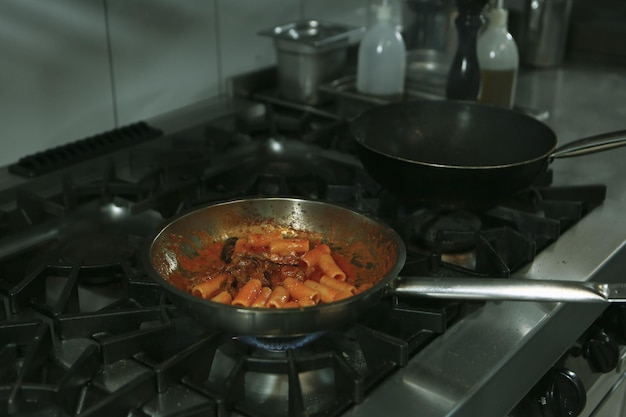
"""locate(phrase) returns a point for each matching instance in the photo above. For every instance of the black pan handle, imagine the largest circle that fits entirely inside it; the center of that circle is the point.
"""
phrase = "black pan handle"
(592, 144)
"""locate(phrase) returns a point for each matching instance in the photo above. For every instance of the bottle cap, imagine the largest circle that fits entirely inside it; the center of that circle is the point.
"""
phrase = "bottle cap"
(498, 17)
(384, 12)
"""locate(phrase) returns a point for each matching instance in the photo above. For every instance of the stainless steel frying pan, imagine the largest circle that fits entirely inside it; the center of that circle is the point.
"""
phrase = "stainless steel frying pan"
(384, 251)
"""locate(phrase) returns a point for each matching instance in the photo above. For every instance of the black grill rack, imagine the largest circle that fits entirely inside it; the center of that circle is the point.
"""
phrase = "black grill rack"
(81, 150)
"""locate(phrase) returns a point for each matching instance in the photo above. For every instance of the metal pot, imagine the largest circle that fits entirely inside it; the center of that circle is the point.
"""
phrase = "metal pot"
(384, 254)
(309, 53)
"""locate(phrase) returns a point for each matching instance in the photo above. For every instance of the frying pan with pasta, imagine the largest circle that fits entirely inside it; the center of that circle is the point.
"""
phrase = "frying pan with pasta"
(368, 243)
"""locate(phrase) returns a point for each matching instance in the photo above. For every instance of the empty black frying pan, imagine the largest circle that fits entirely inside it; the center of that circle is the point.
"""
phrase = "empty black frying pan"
(453, 153)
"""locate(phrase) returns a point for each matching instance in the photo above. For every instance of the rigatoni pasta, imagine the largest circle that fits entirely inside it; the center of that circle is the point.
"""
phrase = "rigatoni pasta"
(300, 292)
(330, 268)
(278, 298)
(327, 294)
(276, 269)
(337, 285)
(288, 246)
(248, 293)
(222, 297)
(210, 287)
(262, 297)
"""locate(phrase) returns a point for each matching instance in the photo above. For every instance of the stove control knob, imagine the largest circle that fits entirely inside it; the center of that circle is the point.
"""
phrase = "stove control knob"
(560, 393)
(615, 320)
(601, 352)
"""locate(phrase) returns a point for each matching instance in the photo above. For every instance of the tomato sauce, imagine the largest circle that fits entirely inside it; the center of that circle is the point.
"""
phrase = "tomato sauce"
(206, 258)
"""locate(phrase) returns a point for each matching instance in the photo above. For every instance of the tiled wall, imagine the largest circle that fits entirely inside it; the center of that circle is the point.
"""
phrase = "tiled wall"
(73, 68)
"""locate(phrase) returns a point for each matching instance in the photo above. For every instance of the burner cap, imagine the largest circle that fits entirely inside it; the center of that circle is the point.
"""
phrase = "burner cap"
(427, 224)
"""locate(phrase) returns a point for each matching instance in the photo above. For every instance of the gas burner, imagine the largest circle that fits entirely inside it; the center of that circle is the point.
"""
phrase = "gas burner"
(92, 236)
(444, 230)
(280, 343)
(80, 260)
(264, 120)
(280, 167)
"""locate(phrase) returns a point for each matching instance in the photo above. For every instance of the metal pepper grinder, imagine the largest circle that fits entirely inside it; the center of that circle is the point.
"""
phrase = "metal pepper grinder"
(464, 76)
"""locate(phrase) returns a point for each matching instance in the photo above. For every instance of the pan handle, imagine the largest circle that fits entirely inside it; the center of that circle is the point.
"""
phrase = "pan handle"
(592, 144)
(503, 289)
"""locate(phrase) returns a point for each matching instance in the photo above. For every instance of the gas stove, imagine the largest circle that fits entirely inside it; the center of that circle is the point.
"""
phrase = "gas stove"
(85, 331)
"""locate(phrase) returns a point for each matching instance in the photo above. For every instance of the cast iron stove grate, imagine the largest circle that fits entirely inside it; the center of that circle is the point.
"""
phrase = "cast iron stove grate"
(137, 351)
(85, 332)
(498, 241)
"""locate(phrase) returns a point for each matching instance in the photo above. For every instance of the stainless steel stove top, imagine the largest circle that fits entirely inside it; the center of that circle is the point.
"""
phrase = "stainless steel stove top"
(484, 364)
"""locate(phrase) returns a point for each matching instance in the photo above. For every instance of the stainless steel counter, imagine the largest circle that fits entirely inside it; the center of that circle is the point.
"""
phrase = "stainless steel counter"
(484, 364)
